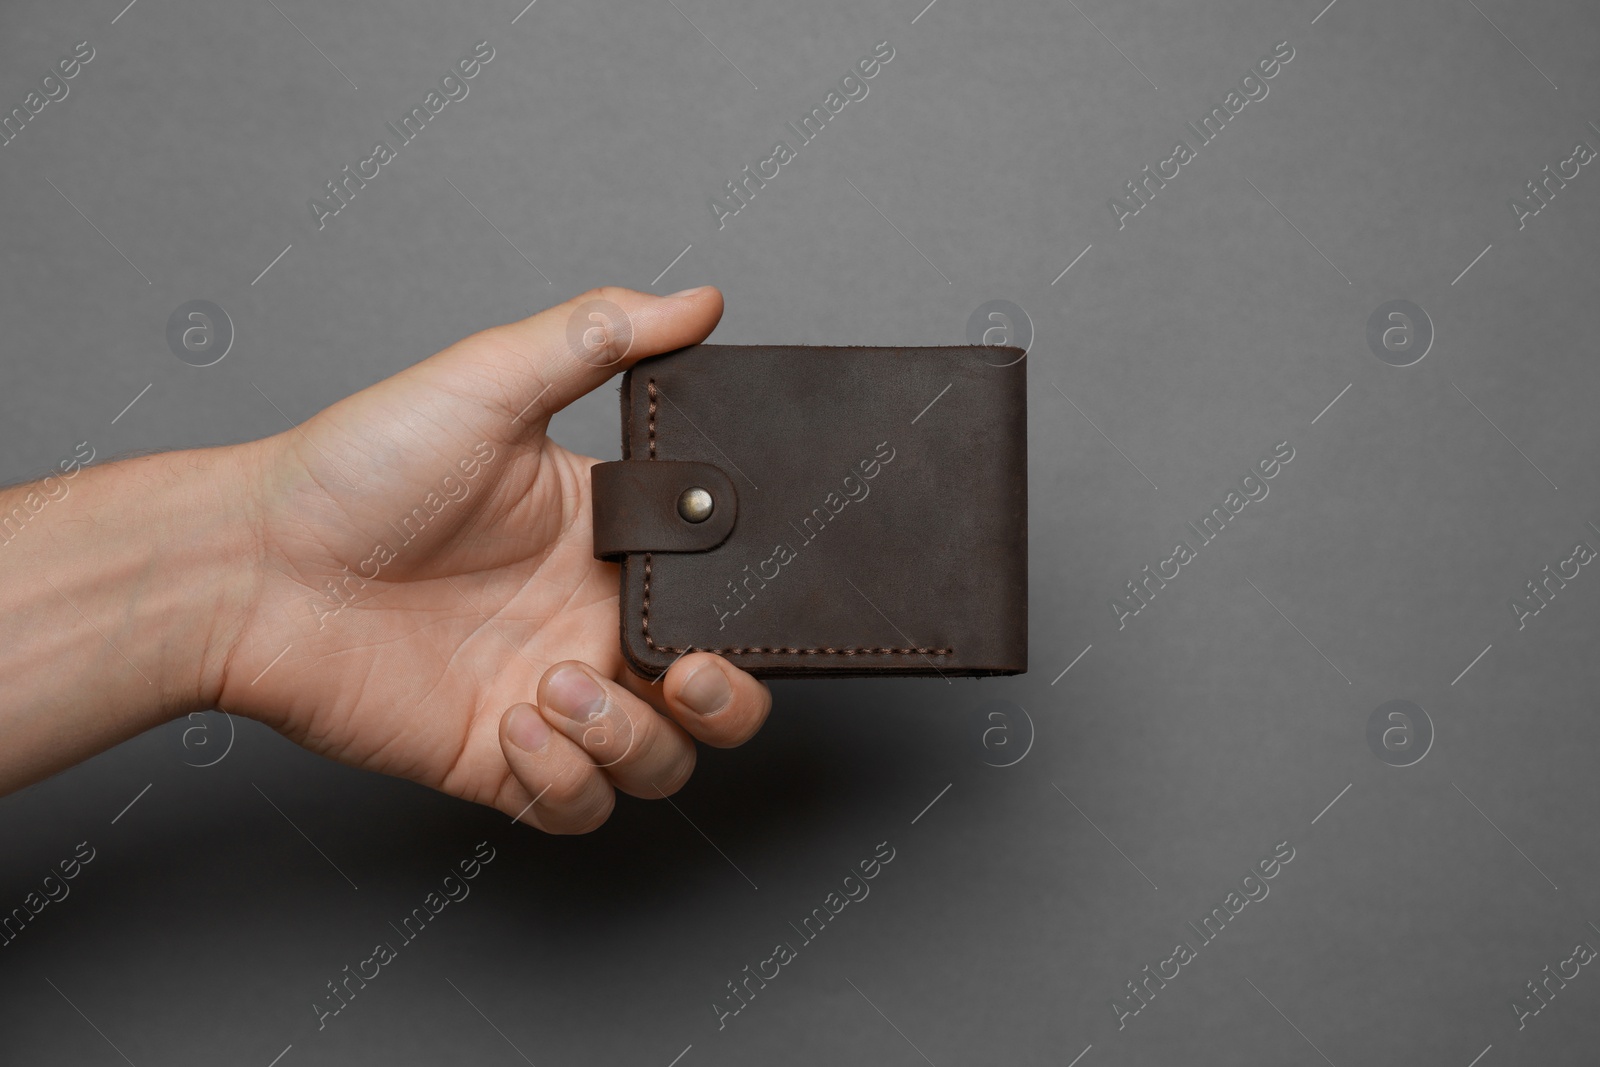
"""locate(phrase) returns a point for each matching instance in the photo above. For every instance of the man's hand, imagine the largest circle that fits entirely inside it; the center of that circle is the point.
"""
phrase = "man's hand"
(418, 594)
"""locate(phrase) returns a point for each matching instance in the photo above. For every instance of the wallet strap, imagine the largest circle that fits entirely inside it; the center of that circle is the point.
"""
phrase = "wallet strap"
(636, 507)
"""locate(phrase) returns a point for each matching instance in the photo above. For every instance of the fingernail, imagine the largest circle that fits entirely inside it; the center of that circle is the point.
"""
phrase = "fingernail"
(573, 695)
(707, 691)
(687, 292)
(526, 728)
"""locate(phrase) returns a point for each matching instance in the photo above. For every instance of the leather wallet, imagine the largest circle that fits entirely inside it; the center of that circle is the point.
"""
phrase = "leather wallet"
(822, 512)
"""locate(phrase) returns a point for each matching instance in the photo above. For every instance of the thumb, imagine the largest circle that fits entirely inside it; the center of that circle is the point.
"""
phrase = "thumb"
(534, 368)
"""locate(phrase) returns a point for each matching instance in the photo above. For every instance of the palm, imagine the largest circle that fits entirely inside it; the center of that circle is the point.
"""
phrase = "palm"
(405, 664)
(427, 603)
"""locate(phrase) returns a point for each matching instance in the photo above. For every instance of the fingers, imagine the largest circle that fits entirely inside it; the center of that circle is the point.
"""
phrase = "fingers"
(714, 700)
(592, 735)
(533, 368)
(644, 754)
(568, 793)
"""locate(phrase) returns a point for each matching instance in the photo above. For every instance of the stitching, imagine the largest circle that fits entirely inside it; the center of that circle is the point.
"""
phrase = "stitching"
(644, 621)
(652, 387)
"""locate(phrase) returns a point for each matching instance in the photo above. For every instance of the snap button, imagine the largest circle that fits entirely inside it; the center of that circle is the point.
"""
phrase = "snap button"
(695, 505)
(659, 505)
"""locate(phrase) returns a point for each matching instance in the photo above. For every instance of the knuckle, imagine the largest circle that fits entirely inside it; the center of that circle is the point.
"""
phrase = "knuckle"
(590, 814)
(613, 741)
(599, 331)
(613, 294)
(574, 802)
(496, 344)
(568, 792)
(601, 340)
(677, 775)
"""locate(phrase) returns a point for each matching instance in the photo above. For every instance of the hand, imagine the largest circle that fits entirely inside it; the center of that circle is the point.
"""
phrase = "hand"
(425, 601)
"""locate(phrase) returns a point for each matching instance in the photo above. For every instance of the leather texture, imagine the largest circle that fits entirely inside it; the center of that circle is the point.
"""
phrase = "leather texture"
(636, 507)
(881, 522)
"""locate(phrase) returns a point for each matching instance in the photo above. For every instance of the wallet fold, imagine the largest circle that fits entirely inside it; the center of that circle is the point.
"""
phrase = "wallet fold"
(822, 512)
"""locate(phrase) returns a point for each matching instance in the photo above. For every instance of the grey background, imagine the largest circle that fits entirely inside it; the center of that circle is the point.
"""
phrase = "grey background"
(1222, 720)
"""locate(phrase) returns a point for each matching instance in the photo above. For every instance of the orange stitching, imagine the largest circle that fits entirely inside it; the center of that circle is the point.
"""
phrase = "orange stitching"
(644, 621)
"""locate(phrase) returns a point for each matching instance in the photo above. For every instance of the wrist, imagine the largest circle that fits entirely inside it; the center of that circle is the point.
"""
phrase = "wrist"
(131, 580)
(177, 553)
(218, 529)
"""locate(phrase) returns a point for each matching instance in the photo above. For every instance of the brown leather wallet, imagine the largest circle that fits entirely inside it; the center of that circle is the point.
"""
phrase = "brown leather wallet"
(822, 512)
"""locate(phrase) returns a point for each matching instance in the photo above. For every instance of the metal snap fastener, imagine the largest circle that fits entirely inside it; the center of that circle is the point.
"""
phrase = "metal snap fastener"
(695, 505)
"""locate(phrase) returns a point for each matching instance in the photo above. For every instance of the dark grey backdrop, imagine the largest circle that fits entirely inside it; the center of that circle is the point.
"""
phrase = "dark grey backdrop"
(1177, 351)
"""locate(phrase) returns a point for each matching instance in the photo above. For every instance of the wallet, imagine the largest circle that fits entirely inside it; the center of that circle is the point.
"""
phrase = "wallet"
(822, 512)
